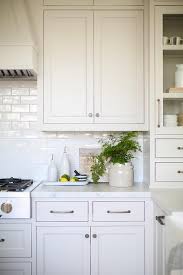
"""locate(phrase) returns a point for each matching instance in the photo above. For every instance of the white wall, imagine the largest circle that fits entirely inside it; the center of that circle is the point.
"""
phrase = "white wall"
(24, 150)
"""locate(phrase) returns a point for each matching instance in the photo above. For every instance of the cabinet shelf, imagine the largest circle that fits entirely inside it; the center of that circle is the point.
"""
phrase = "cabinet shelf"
(173, 96)
(173, 47)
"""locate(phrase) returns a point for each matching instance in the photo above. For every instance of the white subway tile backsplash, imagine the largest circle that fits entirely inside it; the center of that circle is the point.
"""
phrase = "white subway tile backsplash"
(5, 125)
(20, 108)
(28, 117)
(11, 99)
(5, 108)
(1, 99)
(5, 91)
(10, 117)
(33, 108)
(20, 91)
(28, 99)
(17, 125)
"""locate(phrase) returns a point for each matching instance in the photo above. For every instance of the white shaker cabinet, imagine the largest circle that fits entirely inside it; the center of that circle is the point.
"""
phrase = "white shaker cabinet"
(93, 70)
(117, 250)
(118, 63)
(68, 49)
(63, 250)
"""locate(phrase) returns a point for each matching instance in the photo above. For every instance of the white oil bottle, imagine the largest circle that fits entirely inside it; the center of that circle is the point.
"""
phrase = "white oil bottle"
(65, 165)
(52, 170)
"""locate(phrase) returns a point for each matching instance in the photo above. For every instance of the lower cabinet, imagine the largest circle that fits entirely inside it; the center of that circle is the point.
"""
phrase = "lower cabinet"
(63, 250)
(108, 250)
(15, 268)
(117, 250)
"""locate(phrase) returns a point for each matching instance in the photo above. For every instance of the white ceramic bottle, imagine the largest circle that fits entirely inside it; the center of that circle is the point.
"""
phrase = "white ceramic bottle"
(52, 171)
(65, 165)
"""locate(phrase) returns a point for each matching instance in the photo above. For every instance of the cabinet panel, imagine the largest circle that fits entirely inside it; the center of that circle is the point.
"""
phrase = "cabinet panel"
(117, 250)
(169, 148)
(15, 268)
(118, 211)
(118, 2)
(169, 172)
(15, 240)
(62, 211)
(63, 250)
(119, 81)
(68, 66)
(68, 2)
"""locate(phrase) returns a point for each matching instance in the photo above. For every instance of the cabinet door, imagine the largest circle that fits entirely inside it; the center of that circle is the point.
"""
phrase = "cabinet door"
(118, 66)
(68, 66)
(63, 250)
(15, 268)
(117, 250)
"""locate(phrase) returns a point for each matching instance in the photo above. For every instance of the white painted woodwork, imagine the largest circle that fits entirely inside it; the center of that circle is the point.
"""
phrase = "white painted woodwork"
(17, 240)
(117, 250)
(118, 67)
(62, 211)
(7, 268)
(68, 69)
(167, 23)
(63, 250)
(169, 148)
(118, 2)
(159, 245)
(169, 171)
(100, 211)
(67, 2)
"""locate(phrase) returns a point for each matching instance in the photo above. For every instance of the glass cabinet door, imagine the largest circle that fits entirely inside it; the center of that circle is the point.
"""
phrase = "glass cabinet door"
(169, 69)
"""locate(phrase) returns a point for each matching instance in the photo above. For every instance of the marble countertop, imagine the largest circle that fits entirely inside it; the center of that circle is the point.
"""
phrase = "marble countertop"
(91, 190)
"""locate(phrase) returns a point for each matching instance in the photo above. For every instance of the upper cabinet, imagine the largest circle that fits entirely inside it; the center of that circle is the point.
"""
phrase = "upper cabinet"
(168, 69)
(67, 2)
(94, 70)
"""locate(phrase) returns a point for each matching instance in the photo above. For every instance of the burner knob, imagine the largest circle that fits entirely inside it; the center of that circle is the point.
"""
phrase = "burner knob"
(6, 207)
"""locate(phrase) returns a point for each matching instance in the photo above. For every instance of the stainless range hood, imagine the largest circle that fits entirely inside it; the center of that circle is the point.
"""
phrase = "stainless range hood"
(18, 54)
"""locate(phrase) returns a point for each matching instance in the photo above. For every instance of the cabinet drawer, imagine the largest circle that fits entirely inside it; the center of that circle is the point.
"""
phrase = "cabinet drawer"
(15, 240)
(169, 172)
(169, 148)
(62, 211)
(118, 211)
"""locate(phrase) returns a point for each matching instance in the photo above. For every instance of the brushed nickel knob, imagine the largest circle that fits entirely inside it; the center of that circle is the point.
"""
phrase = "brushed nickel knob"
(90, 114)
(6, 207)
(97, 114)
(94, 236)
(87, 236)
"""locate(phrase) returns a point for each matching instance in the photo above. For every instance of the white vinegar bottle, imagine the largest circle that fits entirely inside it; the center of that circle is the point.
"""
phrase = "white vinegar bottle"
(52, 171)
(65, 165)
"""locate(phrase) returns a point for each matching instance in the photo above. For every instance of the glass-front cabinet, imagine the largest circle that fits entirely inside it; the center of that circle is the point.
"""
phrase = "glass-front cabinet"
(169, 69)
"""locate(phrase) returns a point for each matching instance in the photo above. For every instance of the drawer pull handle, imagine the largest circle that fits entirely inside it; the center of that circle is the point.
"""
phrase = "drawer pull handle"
(119, 212)
(179, 148)
(160, 219)
(159, 114)
(180, 172)
(2, 240)
(61, 212)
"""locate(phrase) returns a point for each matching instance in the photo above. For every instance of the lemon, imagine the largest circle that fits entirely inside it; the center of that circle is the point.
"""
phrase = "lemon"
(63, 180)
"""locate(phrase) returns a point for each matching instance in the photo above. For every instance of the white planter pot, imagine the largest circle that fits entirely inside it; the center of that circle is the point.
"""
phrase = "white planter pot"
(121, 175)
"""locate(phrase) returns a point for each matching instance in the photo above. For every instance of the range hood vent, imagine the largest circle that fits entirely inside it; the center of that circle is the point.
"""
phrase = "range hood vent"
(17, 74)
(18, 53)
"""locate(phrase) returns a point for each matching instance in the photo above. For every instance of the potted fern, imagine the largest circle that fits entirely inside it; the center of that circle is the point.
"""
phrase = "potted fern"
(117, 151)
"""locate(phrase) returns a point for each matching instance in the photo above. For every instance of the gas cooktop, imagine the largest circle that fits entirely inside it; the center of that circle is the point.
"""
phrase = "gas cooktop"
(14, 184)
